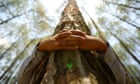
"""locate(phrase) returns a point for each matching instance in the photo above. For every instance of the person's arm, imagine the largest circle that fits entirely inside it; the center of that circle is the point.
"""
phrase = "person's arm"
(93, 43)
(72, 40)
(88, 42)
(57, 42)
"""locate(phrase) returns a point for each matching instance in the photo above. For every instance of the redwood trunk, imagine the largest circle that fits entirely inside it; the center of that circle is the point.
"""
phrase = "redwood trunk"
(74, 66)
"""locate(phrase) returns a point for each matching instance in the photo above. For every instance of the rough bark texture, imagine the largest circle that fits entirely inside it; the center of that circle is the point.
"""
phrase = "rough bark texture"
(85, 67)
(85, 63)
(72, 19)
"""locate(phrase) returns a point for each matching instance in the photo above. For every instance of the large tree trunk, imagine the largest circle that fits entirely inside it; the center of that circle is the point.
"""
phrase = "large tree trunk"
(74, 66)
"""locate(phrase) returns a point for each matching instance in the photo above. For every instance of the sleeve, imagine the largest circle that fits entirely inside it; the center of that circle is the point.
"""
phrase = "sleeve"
(28, 66)
(113, 62)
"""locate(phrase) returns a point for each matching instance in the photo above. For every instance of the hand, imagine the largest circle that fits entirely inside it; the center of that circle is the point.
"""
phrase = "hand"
(63, 40)
(71, 40)
(92, 43)
(87, 42)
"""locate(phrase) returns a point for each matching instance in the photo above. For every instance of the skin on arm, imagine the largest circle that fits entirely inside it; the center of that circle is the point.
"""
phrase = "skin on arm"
(57, 42)
(72, 40)
(93, 43)
(86, 42)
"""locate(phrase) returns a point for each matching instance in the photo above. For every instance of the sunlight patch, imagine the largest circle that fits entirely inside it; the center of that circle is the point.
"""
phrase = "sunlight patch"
(4, 43)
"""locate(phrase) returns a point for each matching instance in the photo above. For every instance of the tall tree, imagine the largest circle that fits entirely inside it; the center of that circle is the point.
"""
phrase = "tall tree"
(21, 21)
(123, 32)
(53, 67)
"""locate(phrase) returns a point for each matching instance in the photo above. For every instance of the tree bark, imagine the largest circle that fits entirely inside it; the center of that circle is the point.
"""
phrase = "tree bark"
(103, 37)
(72, 66)
(84, 62)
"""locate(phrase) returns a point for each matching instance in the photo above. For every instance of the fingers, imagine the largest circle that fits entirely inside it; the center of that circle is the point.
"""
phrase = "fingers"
(75, 38)
(62, 35)
(78, 32)
(71, 35)
(74, 32)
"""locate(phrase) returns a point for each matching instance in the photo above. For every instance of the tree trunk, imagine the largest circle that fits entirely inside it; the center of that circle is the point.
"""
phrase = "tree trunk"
(85, 63)
(73, 66)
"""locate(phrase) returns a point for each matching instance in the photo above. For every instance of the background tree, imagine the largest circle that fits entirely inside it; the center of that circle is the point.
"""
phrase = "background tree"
(119, 20)
(24, 22)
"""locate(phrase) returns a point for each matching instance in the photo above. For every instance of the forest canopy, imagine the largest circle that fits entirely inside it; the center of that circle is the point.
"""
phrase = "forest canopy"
(23, 23)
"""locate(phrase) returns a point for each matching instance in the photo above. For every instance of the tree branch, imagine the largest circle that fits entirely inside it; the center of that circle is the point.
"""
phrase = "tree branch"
(100, 32)
(124, 5)
(1, 5)
(117, 38)
(7, 20)
(137, 1)
(134, 25)
(2, 55)
(15, 60)
(6, 7)
(127, 49)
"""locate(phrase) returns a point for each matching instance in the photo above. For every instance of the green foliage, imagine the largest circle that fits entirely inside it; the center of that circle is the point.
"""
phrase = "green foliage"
(40, 9)
(124, 29)
(20, 30)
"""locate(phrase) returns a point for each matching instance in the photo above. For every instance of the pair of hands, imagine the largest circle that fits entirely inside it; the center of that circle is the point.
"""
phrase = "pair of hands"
(72, 40)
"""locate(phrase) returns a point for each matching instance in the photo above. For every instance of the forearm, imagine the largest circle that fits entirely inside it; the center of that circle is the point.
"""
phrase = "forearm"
(101, 45)
(42, 45)
(47, 44)
(94, 43)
